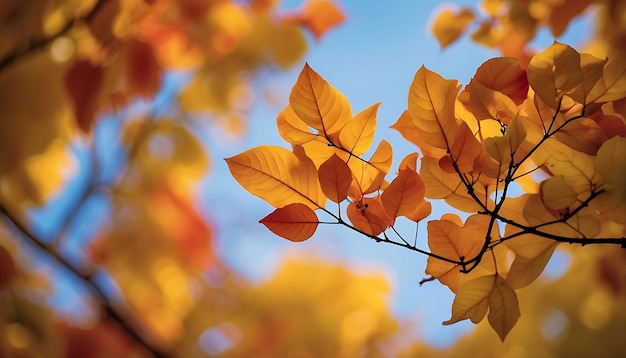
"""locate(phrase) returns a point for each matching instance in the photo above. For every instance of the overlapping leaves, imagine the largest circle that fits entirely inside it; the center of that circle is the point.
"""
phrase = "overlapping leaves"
(551, 130)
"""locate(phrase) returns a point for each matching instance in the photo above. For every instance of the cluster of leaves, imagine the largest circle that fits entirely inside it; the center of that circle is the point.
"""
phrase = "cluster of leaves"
(509, 25)
(555, 134)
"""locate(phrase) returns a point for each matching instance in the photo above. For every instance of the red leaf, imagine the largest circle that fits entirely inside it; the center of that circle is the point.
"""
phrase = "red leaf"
(294, 222)
(84, 82)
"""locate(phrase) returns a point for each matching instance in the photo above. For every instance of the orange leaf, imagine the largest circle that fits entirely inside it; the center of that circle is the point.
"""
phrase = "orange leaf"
(407, 129)
(466, 149)
(319, 104)
(450, 24)
(319, 16)
(409, 162)
(278, 176)
(292, 129)
(358, 134)
(431, 105)
(295, 222)
(84, 83)
(503, 308)
(404, 194)
(505, 75)
(369, 176)
(487, 103)
(368, 215)
(335, 178)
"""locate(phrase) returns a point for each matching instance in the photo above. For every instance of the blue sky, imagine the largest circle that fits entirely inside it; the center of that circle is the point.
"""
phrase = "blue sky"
(371, 58)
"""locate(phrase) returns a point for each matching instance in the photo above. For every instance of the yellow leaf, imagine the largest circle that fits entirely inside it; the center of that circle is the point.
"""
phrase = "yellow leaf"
(593, 69)
(292, 129)
(448, 186)
(278, 176)
(557, 194)
(487, 103)
(358, 134)
(369, 175)
(503, 308)
(319, 104)
(611, 165)
(471, 301)
(524, 269)
(407, 129)
(294, 222)
(465, 149)
(613, 85)
(450, 24)
(431, 105)
(554, 72)
(577, 167)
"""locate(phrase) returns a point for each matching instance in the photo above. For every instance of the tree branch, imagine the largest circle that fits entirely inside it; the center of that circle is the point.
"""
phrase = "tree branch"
(85, 277)
(42, 42)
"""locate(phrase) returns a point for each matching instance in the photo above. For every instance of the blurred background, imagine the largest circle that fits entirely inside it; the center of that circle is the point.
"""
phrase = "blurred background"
(123, 233)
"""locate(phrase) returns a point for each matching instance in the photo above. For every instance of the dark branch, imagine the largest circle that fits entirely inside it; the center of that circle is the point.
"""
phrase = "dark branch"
(41, 42)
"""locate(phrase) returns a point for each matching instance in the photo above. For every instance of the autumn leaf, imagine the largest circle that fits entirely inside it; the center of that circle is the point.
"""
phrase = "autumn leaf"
(84, 83)
(319, 104)
(319, 16)
(404, 125)
(292, 129)
(554, 72)
(335, 178)
(431, 105)
(449, 25)
(295, 222)
(404, 194)
(278, 176)
(358, 134)
(368, 215)
(472, 300)
(504, 74)
(503, 308)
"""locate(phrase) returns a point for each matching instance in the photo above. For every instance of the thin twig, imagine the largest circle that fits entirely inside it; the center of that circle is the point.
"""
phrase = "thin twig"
(85, 277)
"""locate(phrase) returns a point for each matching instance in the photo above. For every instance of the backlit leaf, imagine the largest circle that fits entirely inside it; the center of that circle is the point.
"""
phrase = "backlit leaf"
(335, 178)
(610, 163)
(431, 105)
(554, 72)
(450, 24)
(278, 176)
(504, 75)
(465, 149)
(368, 215)
(404, 194)
(319, 16)
(503, 308)
(409, 131)
(487, 103)
(556, 193)
(292, 129)
(471, 301)
(369, 175)
(613, 86)
(319, 104)
(524, 269)
(294, 222)
(448, 186)
(358, 134)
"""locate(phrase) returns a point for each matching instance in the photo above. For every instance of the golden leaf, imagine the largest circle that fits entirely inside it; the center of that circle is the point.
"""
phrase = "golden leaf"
(319, 104)
(278, 176)
(431, 105)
